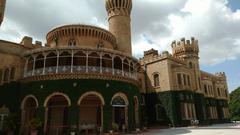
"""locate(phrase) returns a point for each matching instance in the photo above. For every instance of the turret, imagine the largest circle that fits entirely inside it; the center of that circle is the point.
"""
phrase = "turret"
(185, 48)
(119, 12)
(188, 50)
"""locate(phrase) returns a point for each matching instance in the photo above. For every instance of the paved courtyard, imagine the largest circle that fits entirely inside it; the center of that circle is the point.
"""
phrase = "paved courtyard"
(219, 129)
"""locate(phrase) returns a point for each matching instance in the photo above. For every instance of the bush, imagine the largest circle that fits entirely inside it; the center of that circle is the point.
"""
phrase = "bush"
(34, 123)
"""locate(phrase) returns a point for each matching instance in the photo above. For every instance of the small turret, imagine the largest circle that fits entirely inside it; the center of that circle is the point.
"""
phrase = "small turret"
(221, 75)
(188, 50)
(27, 41)
(150, 53)
(185, 48)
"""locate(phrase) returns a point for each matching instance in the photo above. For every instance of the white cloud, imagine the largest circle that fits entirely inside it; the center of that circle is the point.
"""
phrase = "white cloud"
(155, 23)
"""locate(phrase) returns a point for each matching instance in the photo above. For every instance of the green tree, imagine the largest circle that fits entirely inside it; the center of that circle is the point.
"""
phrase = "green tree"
(234, 105)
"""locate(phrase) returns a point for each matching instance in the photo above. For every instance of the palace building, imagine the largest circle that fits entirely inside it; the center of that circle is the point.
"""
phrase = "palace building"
(86, 77)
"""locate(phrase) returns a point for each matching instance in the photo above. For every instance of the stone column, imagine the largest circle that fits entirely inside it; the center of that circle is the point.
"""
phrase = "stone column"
(72, 62)
(122, 67)
(87, 62)
(26, 68)
(101, 63)
(34, 60)
(44, 64)
(57, 61)
(113, 65)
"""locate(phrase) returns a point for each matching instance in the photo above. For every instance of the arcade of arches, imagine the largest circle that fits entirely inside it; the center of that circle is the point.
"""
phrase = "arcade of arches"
(90, 112)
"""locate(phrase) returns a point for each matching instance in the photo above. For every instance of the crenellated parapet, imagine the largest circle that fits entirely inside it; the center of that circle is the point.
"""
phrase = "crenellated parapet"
(185, 47)
(118, 7)
(152, 55)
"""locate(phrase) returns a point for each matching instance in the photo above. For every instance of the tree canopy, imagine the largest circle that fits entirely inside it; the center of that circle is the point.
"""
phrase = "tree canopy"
(234, 104)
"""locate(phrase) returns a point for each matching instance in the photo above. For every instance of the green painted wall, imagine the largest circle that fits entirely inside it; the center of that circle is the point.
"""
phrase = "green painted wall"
(171, 101)
(12, 95)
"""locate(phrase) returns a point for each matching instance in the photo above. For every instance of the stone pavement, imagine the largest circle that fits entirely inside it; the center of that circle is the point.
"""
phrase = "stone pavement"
(219, 129)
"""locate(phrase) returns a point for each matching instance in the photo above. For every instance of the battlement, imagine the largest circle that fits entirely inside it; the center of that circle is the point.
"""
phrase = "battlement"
(125, 5)
(184, 47)
(150, 53)
(153, 55)
(27, 42)
(220, 74)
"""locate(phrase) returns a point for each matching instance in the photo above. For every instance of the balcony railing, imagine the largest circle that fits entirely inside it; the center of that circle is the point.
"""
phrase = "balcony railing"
(80, 69)
(80, 61)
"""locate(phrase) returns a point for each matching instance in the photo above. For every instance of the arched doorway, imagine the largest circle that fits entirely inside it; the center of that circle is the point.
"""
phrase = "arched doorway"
(120, 111)
(90, 112)
(57, 115)
(29, 109)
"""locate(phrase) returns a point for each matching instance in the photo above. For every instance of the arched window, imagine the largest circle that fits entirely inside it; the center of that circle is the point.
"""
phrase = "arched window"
(156, 80)
(4, 112)
(107, 61)
(72, 42)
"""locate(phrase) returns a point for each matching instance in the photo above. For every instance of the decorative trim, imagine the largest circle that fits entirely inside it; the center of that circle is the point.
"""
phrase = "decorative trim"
(25, 99)
(55, 94)
(122, 95)
(63, 76)
(91, 93)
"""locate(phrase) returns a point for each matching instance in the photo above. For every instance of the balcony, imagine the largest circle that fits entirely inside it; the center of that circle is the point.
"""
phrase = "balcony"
(80, 62)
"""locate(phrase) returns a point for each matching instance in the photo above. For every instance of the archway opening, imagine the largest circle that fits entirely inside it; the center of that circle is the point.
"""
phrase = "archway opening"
(28, 112)
(119, 113)
(57, 115)
(90, 112)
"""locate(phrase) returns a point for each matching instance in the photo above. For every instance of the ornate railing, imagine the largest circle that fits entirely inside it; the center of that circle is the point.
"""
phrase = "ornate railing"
(77, 61)
(80, 69)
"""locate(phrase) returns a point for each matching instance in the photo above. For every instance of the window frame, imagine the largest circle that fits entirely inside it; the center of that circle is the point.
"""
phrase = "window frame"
(156, 81)
(3, 116)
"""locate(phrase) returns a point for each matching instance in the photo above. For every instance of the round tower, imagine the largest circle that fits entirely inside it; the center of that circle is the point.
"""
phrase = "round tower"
(119, 12)
(189, 51)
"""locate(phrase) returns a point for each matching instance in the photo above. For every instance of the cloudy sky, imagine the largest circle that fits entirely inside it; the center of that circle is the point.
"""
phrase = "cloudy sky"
(155, 24)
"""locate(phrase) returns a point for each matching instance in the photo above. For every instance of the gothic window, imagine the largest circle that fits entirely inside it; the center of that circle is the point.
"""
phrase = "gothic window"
(218, 91)
(184, 79)
(226, 93)
(6, 75)
(183, 113)
(72, 42)
(12, 73)
(156, 80)
(179, 78)
(188, 80)
(205, 88)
